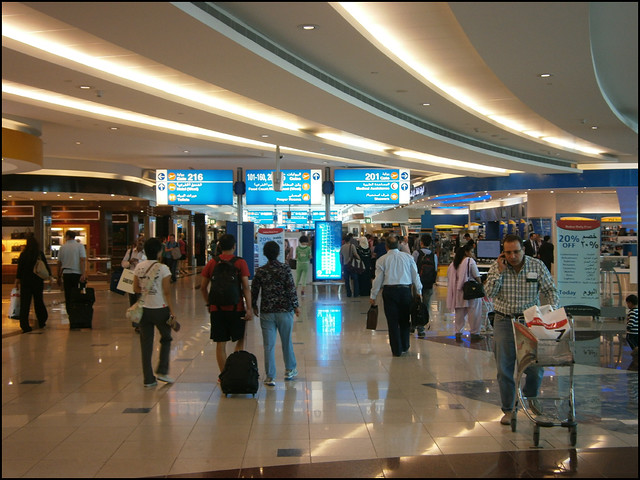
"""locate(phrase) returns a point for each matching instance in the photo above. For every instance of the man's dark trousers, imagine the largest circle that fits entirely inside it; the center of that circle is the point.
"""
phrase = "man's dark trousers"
(397, 306)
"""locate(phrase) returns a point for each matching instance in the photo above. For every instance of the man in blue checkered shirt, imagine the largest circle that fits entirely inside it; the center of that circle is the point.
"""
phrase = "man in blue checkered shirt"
(514, 283)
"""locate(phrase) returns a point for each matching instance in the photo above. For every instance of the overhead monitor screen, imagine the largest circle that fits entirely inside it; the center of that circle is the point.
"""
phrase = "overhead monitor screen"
(488, 249)
(327, 243)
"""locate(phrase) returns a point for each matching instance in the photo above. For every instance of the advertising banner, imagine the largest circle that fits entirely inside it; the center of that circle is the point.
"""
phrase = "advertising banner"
(267, 235)
(194, 187)
(299, 187)
(372, 186)
(578, 246)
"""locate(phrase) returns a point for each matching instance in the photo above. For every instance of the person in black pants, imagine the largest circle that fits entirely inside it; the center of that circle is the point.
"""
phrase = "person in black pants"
(396, 272)
(31, 285)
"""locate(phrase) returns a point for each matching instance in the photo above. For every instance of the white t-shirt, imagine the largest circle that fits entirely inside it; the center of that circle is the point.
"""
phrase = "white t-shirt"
(153, 296)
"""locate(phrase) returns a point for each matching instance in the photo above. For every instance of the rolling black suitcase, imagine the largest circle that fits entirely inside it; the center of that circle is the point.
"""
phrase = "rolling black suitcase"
(240, 374)
(80, 307)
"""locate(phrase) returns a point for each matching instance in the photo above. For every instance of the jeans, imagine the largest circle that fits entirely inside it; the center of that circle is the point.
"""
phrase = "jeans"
(347, 282)
(155, 317)
(397, 309)
(505, 354)
(281, 322)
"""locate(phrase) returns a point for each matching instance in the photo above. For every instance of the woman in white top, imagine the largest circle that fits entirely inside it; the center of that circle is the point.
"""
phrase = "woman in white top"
(464, 268)
(152, 282)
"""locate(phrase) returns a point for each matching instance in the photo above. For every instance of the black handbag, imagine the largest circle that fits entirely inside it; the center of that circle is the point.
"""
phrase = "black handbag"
(419, 313)
(472, 289)
(372, 317)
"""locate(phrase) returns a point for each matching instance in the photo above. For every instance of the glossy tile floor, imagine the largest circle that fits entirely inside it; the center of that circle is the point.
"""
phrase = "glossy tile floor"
(73, 404)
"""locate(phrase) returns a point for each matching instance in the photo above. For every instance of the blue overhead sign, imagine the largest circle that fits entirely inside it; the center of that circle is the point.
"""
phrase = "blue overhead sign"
(299, 187)
(372, 186)
(194, 187)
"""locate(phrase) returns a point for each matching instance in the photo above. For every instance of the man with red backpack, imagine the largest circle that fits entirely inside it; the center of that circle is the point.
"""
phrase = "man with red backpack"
(427, 263)
(229, 299)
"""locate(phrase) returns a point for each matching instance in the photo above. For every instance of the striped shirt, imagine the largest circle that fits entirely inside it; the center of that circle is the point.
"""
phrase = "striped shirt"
(632, 321)
(513, 292)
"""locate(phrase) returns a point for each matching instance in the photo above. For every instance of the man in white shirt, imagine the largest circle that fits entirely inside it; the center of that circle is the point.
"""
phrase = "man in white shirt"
(395, 273)
(72, 265)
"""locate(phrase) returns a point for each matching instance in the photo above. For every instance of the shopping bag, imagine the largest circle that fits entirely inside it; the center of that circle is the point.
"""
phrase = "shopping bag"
(546, 323)
(125, 284)
(372, 317)
(40, 269)
(14, 305)
(115, 278)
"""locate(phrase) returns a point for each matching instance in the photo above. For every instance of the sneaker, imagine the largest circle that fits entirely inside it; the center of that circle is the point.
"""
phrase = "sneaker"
(269, 382)
(420, 332)
(165, 378)
(152, 384)
(535, 406)
(290, 374)
(458, 337)
(506, 418)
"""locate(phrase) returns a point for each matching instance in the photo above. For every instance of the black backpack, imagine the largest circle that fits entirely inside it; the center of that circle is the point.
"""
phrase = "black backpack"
(225, 287)
(427, 269)
(240, 374)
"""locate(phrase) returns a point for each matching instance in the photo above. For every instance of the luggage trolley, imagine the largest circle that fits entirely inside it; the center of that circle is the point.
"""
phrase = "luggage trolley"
(533, 351)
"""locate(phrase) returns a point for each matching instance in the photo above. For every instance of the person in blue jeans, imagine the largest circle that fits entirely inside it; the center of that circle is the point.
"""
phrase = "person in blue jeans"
(515, 282)
(278, 302)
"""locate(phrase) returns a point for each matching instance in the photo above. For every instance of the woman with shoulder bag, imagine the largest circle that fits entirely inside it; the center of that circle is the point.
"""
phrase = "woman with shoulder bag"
(152, 282)
(31, 285)
(462, 269)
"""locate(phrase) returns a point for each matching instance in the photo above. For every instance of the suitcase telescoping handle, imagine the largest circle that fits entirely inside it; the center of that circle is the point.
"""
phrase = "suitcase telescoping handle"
(83, 286)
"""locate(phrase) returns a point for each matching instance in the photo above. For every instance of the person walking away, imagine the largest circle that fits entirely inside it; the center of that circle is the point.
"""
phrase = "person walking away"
(303, 260)
(152, 282)
(515, 283)
(347, 253)
(31, 285)
(462, 269)
(183, 255)
(134, 255)
(396, 272)
(427, 264)
(168, 259)
(546, 252)
(273, 282)
(72, 265)
(227, 318)
(364, 279)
